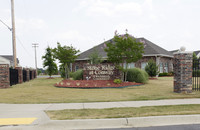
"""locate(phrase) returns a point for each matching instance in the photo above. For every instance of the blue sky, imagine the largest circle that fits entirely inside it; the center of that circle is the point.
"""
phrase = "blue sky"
(87, 23)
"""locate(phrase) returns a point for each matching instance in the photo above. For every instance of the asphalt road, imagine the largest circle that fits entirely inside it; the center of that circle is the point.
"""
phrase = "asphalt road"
(175, 127)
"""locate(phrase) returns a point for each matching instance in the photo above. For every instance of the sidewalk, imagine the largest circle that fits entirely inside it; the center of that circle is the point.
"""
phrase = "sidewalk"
(8, 111)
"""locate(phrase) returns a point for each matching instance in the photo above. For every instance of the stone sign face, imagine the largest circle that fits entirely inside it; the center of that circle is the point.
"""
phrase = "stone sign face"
(100, 72)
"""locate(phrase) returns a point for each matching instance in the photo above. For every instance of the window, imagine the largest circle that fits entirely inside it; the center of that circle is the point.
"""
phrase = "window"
(166, 68)
(76, 67)
(161, 67)
(143, 65)
(130, 65)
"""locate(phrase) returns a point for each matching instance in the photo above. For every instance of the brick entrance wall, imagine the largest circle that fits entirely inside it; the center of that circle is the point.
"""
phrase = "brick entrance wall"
(20, 74)
(4, 76)
(104, 71)
(183, 72)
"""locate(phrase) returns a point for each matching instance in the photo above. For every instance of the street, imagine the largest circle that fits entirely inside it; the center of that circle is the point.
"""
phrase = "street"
(174, 127)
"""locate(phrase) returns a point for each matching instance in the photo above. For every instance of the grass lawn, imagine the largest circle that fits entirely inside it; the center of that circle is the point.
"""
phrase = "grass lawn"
(123, 112)
(41, 90)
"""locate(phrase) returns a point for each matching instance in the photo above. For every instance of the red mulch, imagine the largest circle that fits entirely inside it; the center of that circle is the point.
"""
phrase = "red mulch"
(93, 84)
(50, 78)
(153, 78)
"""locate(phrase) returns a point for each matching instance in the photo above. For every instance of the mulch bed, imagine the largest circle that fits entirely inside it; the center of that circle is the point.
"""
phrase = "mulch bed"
(152, 78)
(93, 84)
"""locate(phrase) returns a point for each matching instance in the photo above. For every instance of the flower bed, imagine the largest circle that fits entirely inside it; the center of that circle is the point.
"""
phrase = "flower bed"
(93, 84)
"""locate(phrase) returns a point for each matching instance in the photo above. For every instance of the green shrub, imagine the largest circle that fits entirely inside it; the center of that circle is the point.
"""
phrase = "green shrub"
(151, 68)
(78, 75)
(163, 74)
(170, 73)
(137, 75)
(117, 81)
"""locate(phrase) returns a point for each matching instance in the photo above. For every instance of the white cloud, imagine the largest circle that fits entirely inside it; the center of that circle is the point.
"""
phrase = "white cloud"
(69, 35)
(132, 28)
(108, 8)
(30, 24)
(131, 7)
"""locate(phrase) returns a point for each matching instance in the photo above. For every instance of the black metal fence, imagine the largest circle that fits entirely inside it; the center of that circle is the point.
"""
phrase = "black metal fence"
(30, 75)
(196, 75)
(13, 76)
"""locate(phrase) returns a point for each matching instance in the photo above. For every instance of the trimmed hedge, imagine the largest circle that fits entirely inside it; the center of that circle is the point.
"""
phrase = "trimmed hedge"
(163, 74)
(166, 74)
(78, 75)
(137, 75)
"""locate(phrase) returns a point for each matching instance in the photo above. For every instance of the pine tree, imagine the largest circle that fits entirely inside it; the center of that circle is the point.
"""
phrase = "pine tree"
(151, 68)
(49, 62)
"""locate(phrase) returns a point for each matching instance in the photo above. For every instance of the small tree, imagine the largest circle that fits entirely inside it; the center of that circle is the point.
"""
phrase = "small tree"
(65, 55)
(151, 68)
(122, 50)
(49, 62)
(95, 57)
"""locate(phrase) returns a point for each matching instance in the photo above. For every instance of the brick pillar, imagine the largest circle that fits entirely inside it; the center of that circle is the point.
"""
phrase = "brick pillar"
(4, 76)
(20, 74)
(33, 74)
(27, 75)
(183, 72)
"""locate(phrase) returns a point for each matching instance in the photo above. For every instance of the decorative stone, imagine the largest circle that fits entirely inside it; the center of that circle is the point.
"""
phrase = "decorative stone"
(182, 49)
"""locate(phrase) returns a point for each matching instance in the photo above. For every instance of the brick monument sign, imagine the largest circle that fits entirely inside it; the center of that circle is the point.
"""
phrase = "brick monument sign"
(101, 72)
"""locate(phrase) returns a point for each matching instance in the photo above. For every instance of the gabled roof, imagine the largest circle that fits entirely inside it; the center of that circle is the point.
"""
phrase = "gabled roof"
(173, 51)
(197, 52)
(150, 49)
(9, 57)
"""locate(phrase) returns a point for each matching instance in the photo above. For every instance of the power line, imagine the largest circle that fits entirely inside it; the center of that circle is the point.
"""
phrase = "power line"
(16, 37)
(6, 25)
(23, 46)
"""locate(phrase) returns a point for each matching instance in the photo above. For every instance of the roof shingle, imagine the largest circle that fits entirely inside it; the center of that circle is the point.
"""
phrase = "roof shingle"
(150, 49)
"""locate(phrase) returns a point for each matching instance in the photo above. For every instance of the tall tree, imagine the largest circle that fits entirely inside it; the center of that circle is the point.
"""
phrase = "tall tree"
(65, 55)
(95, 57)
(123, 50)
(49, 62)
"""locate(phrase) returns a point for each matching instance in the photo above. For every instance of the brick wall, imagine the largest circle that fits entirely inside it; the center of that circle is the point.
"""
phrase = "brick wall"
(27, 74)
(4, 76)
(183, 72)
(167, 60)
(138, 64)
(20, 74)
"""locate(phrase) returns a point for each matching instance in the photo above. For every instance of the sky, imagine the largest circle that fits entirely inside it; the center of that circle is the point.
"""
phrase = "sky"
(84, 24)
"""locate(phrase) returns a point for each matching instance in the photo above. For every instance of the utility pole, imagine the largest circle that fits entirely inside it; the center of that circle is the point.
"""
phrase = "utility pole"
(35, 45)
(13, 34)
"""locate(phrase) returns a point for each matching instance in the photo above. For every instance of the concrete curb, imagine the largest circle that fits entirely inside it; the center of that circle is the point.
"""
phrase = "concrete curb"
(123, 122)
